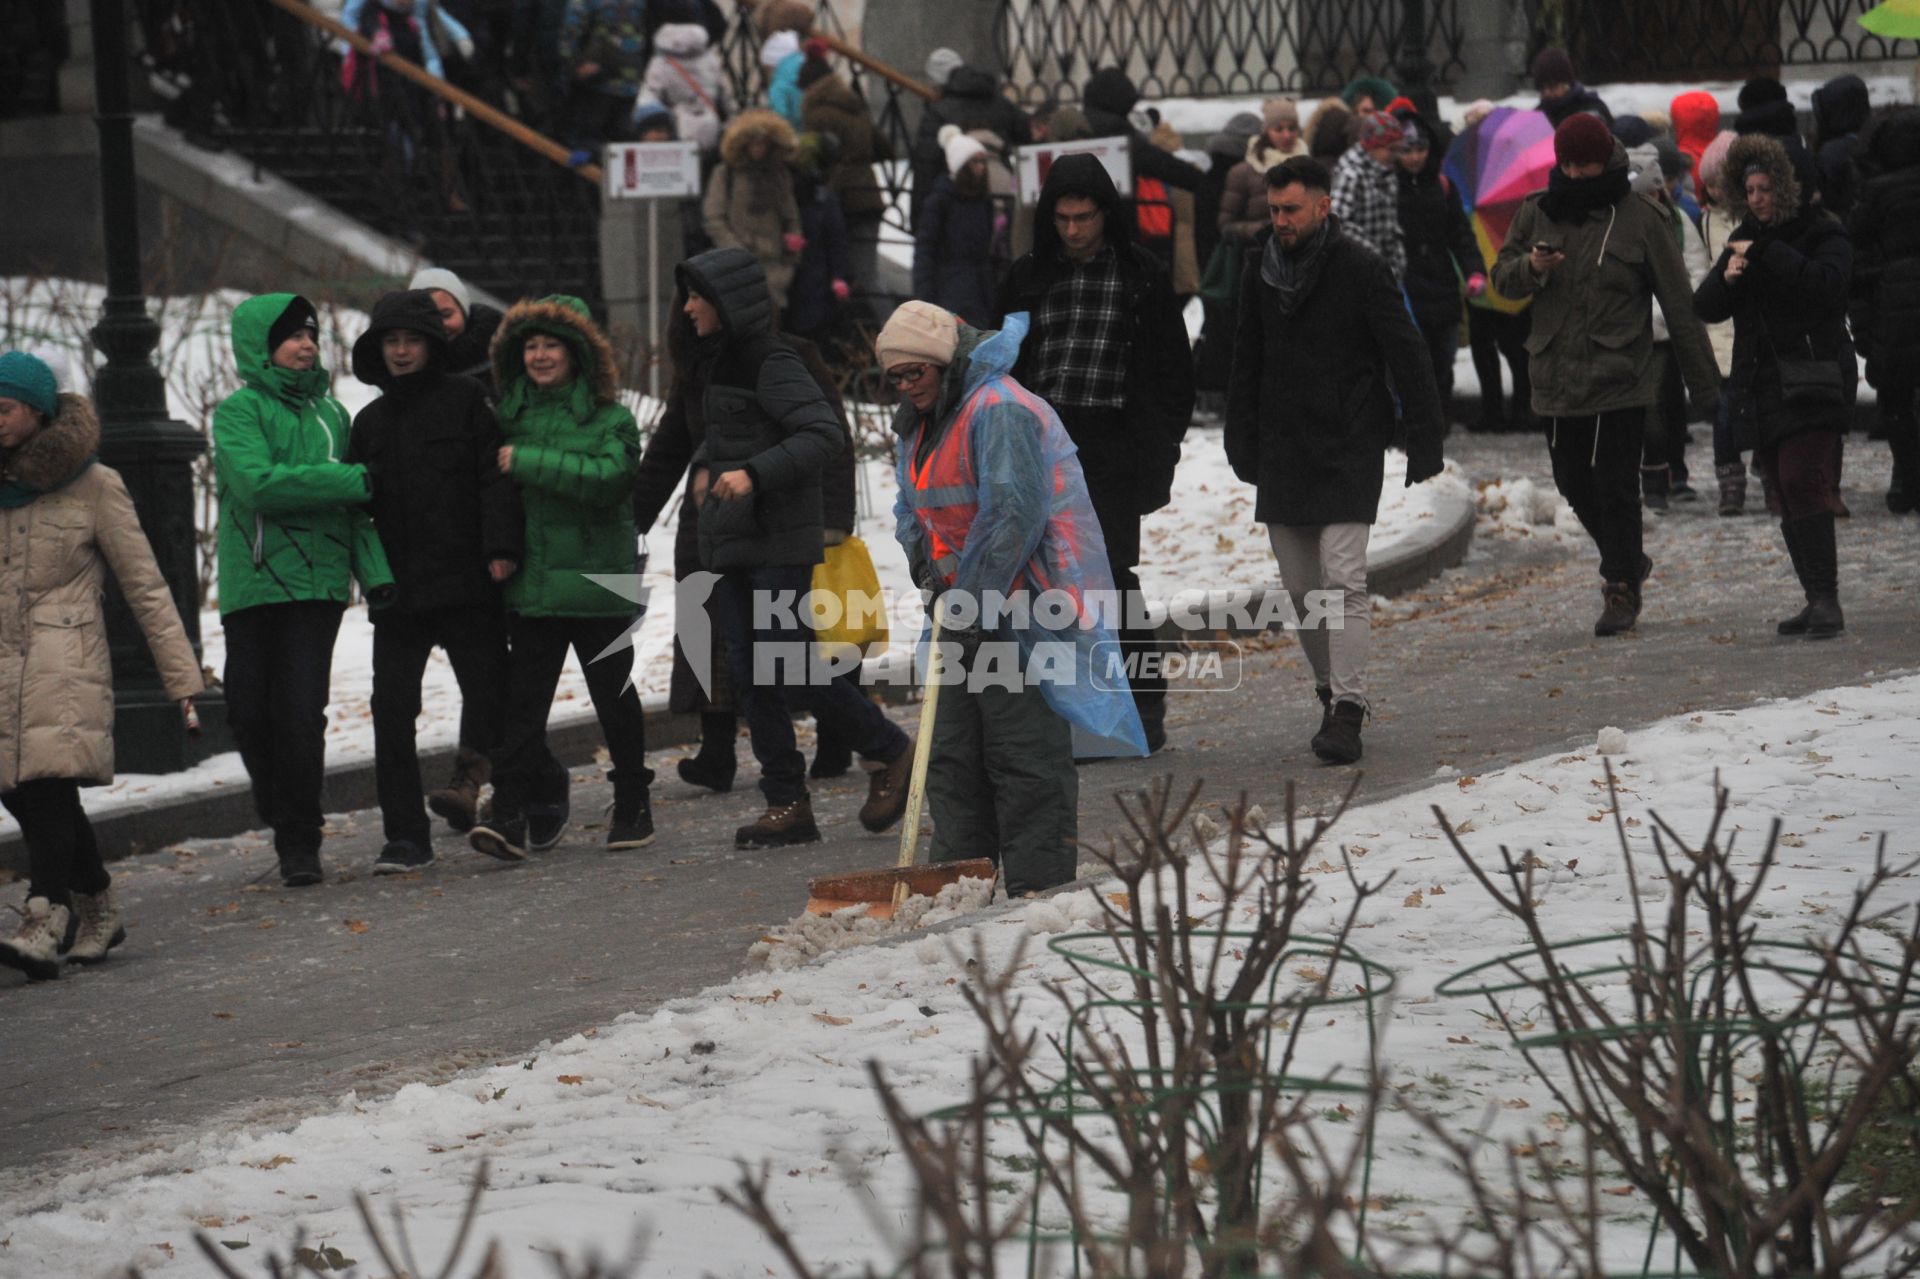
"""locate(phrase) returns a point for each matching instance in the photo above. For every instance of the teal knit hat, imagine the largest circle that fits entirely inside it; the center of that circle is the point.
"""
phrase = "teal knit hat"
(27, 379)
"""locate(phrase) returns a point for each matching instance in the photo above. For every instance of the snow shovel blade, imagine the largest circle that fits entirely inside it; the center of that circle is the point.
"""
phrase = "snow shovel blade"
(874, 888)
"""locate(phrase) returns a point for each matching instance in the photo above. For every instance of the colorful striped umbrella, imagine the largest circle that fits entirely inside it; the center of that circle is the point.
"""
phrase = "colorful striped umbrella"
(1496, 164)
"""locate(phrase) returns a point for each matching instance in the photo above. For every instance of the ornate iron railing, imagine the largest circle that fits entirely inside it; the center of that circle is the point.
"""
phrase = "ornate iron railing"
(1199, 48)
(1717, 39)
(412, 157)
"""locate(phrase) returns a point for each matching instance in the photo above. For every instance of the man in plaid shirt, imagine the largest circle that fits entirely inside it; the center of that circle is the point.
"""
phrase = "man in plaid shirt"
(1366, 195)
(1109, 350)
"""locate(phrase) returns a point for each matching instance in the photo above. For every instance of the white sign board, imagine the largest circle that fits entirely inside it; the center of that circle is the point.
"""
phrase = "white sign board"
(652, 170)
(1035, 162)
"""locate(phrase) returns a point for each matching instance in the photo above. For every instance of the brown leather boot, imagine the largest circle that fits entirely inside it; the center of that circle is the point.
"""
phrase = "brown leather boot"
(780, 827)
(459, 800)
(887, 792)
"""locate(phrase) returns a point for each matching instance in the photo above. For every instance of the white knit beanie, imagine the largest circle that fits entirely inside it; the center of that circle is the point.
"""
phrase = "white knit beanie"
(434, 277)
(918, 331)
(960, 148)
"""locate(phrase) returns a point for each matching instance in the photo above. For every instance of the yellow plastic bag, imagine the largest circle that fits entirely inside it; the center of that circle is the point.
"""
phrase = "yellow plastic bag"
(848, 609)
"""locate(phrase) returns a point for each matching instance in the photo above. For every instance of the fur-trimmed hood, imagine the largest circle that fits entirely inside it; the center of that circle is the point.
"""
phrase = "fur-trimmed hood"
(56, 454)
(563, 317)
(758, 123)
(1764, 151)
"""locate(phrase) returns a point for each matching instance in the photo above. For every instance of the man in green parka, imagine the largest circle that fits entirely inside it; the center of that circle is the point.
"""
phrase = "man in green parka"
(293, 536)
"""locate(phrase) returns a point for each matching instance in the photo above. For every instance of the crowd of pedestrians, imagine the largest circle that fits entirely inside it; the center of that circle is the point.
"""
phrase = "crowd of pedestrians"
(1667, 271)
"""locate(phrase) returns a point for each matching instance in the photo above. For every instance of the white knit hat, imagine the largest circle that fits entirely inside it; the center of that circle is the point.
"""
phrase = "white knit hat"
(434, 277)
(918, 331)
(960, 148)
(941, 64)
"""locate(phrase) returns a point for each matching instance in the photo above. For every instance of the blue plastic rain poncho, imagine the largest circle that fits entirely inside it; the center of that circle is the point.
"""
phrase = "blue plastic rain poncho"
(998, 506)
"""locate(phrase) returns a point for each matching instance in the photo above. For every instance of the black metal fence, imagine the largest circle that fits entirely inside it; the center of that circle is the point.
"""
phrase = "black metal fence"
(245, 76)
(1199, 48)
(1708, 39)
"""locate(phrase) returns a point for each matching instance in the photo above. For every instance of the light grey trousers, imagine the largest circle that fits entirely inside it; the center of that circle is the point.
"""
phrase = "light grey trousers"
(1329, 557)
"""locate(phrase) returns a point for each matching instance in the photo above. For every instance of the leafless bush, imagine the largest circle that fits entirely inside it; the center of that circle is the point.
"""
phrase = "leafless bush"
(1165, 1128)
(1725, 1072)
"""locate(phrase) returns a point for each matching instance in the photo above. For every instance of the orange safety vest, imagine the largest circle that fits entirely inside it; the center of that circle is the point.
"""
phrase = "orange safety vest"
(945, 497)
(1153, 208)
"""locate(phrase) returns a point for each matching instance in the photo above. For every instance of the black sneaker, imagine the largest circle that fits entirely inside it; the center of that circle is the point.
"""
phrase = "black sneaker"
(506, 840)
(546, 823)
(401, 856)
(630, 821)
(1339, 741)
(712, 772)
(300, 868)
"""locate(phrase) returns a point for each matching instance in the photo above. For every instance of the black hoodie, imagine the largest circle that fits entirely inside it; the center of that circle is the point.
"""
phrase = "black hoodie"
(1840, 111)
(1108, 98)
(763, 414)
(431, 447)
(1885, 226)
(1160, 387)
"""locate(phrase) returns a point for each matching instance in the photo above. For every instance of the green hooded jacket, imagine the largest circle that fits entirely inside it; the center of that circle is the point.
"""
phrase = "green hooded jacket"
(575, 452)
(292, 519)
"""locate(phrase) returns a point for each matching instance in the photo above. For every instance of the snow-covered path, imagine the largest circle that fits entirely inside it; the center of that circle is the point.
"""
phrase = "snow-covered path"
(622, 1132)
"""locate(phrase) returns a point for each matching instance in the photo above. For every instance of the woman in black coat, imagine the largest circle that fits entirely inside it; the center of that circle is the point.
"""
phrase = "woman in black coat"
(1783, 281)
(953, 250)
(1443, 260)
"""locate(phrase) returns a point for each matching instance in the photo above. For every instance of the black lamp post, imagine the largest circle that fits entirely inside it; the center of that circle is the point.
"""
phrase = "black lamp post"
(153, 453)
(1412, 69)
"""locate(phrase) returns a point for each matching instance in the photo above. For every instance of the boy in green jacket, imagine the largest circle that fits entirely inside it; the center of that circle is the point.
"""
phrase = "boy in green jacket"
(293, 535)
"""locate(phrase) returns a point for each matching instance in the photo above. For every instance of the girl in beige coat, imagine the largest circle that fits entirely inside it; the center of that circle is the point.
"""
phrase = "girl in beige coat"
(749, 202)
(64, 520)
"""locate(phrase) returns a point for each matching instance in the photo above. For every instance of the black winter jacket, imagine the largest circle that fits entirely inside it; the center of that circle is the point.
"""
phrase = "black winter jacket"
(1579, 98)
(1441, 250)
(1791, 303)
(953, 254)
(1840, 111)
(1160, 385)
(763, 414)
(1310, 405)
(431, 447)
(972, 100)
(1885, 228)
(470, 354)
(1108, 99)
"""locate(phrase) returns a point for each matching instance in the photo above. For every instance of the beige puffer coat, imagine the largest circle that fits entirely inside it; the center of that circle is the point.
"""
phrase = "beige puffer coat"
(749, 203)
(56, 681)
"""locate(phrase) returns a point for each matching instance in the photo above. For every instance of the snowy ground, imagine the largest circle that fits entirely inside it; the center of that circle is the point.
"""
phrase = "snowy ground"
(620, 1134)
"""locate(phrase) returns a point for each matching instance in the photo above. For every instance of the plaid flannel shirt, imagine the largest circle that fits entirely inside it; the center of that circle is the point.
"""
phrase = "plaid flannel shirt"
(1080, 327)
(1367, 198)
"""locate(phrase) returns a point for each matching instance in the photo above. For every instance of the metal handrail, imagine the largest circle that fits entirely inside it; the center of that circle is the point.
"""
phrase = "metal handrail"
(891, 75)
(479, 110)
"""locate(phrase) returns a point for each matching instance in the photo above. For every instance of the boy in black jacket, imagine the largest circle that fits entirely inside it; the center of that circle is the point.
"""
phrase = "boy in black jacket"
(451, 526)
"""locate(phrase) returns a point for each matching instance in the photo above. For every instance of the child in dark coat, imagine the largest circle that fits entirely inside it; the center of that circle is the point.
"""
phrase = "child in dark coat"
(451, 526)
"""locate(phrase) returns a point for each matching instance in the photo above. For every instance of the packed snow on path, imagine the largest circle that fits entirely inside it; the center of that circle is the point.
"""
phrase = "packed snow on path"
(621, 1133)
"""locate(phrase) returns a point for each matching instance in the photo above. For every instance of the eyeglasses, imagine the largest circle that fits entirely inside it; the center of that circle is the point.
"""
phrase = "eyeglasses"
(906, 374)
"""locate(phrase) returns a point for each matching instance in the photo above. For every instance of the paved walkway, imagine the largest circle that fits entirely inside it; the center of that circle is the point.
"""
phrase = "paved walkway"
(236, 1000)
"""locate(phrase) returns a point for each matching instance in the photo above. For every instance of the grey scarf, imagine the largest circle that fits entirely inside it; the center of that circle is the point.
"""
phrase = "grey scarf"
(1292, 275)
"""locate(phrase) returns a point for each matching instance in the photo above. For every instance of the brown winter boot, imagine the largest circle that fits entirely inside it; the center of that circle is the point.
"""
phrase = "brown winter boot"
(887, 792)
(35, 947)
(459, 800)
(780, 826)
